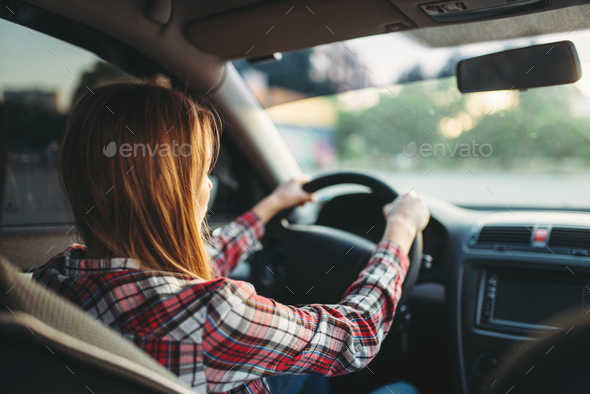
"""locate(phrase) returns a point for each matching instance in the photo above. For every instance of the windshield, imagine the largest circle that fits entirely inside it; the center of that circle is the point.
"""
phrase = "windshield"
(388, 105)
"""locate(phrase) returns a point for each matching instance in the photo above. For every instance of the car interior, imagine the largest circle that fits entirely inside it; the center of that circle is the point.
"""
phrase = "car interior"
(373, 99)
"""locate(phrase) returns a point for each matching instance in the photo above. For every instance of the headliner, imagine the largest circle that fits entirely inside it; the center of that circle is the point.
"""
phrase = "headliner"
(556, 21)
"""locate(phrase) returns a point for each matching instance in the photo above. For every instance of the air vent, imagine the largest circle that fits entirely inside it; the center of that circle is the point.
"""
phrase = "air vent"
(570, 238)
(513, 235)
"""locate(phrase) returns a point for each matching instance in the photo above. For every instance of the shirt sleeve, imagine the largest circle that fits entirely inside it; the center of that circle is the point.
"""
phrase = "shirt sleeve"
(247, 336)
(231, 242)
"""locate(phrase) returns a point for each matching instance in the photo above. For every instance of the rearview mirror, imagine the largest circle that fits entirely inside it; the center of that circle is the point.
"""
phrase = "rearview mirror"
(535, 66)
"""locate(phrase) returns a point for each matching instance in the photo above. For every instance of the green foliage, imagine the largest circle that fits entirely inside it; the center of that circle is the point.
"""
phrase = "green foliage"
(539, 130)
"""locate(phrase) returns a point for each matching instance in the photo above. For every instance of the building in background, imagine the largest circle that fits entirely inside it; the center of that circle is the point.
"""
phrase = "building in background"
(45, 100)
(311, 138)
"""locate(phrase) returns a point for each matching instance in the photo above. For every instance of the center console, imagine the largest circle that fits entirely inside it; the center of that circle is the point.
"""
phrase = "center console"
(513, 304)
(517, 281)
(520, 301)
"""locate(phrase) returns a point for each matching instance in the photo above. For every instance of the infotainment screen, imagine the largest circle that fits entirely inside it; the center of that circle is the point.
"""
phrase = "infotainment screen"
(520, 301)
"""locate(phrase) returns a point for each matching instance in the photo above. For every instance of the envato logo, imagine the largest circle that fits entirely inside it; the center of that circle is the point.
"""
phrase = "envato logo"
(143, 150)
(463, 150)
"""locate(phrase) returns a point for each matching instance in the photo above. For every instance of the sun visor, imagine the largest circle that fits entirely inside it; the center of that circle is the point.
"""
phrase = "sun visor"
(263, 29)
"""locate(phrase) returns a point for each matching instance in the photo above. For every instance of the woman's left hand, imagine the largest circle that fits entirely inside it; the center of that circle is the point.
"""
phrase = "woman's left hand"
(286, 195)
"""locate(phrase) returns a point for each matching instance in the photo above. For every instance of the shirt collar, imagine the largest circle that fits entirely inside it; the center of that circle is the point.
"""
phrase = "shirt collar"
(76, 265)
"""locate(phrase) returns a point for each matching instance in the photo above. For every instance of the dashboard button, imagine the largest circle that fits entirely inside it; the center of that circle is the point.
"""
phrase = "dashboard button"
(453, 7)
(484, 362)
(541, 235)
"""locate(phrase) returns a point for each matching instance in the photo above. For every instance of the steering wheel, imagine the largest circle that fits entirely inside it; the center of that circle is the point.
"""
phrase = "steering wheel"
(304, 264)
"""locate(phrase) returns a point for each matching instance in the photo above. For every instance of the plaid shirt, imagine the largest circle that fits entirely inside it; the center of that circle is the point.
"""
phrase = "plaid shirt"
(219, 335)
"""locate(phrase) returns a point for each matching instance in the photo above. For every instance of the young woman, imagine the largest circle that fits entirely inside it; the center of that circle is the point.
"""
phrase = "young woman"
(134, 164)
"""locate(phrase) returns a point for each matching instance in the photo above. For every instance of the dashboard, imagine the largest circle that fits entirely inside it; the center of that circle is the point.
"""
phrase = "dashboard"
(518, 275)
(509, 276)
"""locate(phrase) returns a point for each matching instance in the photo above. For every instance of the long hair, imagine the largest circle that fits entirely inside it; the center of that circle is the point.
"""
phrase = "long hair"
(132, 162)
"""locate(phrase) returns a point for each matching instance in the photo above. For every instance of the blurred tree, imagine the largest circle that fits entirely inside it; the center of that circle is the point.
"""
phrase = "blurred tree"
(314, 71)
(412, 74)
(539, 130)
(293, 71)
(100, 74)
(449, 69)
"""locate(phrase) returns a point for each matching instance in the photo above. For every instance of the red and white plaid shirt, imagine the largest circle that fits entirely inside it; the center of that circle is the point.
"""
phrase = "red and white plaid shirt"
(219, 335)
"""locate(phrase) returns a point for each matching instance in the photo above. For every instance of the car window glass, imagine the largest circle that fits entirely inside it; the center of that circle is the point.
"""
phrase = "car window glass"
(41, 78)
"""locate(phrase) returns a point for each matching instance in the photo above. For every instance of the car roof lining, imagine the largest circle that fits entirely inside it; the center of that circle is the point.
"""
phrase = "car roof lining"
(556, 21)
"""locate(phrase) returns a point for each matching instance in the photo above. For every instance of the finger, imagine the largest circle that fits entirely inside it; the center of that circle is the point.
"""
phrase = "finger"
(305, 199)
(410, 192)
(305, 196)
(387, 208)
(305, 178)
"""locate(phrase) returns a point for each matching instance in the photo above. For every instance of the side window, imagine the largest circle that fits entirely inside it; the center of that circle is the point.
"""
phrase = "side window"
(40, 78)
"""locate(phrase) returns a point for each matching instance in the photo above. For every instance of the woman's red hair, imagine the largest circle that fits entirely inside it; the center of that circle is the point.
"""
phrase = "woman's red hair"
(142, 202)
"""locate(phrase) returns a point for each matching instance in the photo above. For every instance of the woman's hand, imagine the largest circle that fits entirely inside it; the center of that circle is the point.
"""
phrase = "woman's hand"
(286, 195)
(406, 215)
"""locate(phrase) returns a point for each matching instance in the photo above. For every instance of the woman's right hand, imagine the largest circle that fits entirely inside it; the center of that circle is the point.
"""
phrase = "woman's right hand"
(405, 216)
